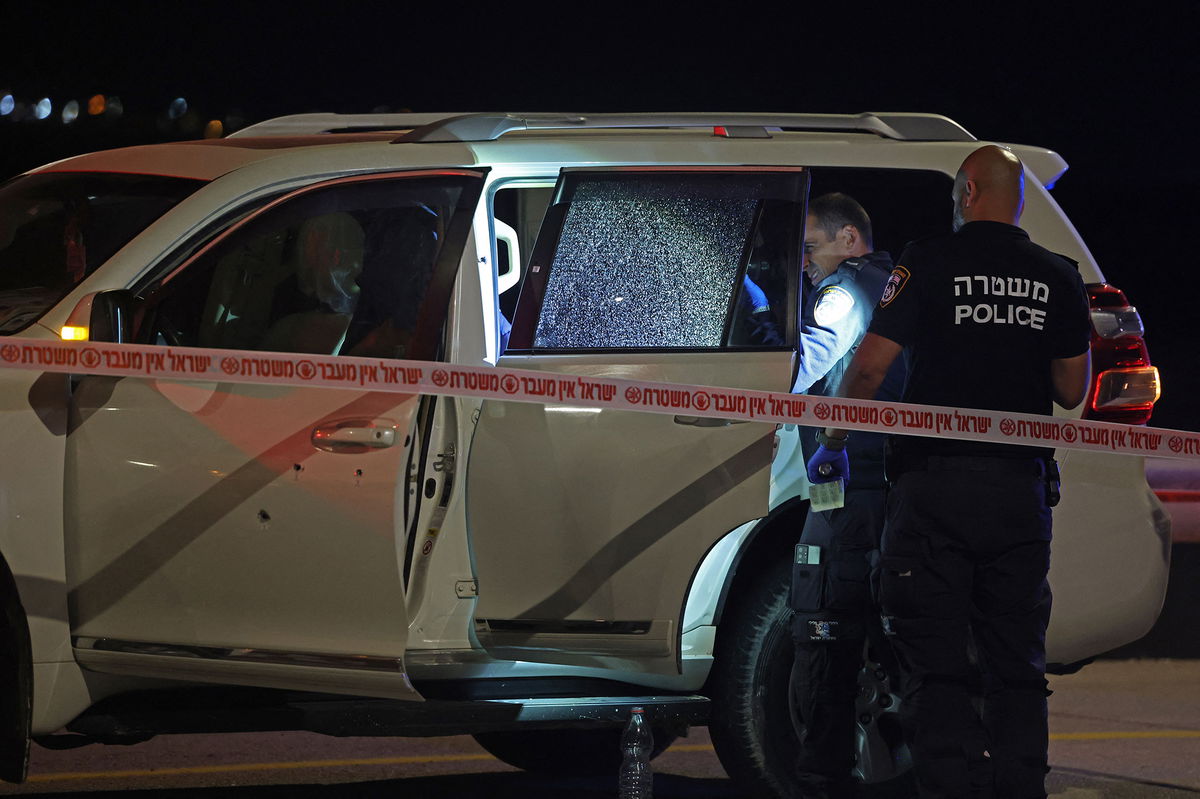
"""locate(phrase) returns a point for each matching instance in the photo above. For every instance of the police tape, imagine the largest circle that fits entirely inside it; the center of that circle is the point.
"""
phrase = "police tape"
(526, 385)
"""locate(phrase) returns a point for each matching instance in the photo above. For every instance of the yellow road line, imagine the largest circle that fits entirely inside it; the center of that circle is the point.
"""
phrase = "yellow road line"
(1115, 736)
(462, 758)
(244, 767)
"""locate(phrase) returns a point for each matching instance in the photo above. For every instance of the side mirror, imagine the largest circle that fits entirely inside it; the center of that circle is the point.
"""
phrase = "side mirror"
(101, 316)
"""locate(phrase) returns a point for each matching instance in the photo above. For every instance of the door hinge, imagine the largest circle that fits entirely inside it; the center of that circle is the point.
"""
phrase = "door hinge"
(465, 589)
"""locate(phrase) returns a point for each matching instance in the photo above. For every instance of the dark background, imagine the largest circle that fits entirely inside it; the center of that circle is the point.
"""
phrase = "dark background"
(1113, 92)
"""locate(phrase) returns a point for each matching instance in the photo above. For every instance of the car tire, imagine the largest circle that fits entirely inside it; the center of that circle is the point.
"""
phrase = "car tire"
(582, 753)
(751, 722)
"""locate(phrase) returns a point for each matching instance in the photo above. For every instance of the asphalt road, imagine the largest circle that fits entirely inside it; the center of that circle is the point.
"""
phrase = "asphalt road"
(1120, 729)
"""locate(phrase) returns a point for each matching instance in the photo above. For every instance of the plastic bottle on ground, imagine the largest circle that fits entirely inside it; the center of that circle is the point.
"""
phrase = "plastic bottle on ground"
(636, 780)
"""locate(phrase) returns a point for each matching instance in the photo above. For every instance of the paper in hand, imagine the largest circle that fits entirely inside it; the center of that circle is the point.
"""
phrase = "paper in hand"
(827, 496)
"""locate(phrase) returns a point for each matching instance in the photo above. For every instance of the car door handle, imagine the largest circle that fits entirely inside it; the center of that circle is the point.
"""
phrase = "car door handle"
(350, 436)
(704, 421)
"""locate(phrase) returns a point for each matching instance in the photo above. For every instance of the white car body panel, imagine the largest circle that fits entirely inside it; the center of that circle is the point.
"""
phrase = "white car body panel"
(622, 499)
(31, 504)
(1115, 575)
(255, 534)
(1179, 481)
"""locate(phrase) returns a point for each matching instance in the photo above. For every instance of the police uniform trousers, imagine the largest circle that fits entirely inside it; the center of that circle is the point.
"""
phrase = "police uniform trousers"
(963, 588)
(834, 611)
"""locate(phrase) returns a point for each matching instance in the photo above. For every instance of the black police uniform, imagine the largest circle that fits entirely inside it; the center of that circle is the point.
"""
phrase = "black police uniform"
(832, 600)
(981, 314)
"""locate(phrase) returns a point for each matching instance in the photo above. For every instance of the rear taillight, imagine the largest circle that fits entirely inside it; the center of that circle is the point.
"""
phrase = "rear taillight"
(1124, 384)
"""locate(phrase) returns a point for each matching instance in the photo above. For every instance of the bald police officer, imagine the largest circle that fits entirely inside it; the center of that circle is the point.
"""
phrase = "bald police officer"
(832, 599)
(988, 320)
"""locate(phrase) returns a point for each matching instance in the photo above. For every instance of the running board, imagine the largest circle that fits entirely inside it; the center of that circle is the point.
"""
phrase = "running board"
(609, 710)
(145, 714)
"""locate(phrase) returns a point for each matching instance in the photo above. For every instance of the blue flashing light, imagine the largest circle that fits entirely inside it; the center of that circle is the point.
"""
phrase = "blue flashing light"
(43, 108)
(7, 104)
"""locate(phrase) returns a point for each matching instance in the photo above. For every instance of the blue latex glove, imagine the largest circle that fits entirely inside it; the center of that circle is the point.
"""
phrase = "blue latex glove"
(505, 332)
(836, 463)
(754, 296)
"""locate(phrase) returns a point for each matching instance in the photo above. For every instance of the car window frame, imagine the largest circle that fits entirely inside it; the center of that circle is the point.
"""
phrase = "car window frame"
(228, 224)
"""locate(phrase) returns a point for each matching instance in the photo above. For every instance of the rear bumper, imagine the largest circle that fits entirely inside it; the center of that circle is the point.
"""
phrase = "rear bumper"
(1110, 557)
(1176, 483)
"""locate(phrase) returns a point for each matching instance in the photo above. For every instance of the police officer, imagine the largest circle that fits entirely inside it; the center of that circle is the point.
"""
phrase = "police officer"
(988, 320)
(832, 598)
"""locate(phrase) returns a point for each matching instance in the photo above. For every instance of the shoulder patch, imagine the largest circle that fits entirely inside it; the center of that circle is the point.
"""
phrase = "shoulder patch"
(895, 284)
(833, 303)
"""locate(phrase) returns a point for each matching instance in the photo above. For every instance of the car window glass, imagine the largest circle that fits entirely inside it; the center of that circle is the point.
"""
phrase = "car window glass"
(337, 270)
(651, 260)
(56, 228)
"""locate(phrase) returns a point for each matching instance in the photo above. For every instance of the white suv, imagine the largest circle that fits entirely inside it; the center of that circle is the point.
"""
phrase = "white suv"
(184, 556)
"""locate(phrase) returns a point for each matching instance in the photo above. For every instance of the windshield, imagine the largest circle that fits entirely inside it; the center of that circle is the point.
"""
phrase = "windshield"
(56, 228)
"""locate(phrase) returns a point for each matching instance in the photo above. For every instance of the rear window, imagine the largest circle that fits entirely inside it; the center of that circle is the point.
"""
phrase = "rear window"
(57, 228)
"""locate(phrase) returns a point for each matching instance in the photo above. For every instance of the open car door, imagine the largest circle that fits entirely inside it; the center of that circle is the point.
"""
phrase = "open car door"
(588, 525)
(249, 533)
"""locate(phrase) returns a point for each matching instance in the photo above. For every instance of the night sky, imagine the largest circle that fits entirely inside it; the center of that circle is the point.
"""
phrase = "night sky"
(1113, 92)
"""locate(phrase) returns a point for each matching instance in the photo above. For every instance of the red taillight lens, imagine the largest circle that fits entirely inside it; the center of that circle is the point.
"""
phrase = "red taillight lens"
(1124, 384)
(1121, 388)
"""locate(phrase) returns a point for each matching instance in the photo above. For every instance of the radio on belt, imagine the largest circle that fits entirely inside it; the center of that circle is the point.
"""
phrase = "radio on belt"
(808, 554)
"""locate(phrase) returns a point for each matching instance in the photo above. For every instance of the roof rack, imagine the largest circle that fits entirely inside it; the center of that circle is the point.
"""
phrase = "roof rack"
(315, 124)
(489, 127)
(459, 127)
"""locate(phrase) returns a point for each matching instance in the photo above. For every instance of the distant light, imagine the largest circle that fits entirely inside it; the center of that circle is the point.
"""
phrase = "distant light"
(43, 108)
(70, 112)
(96, 105)
(114, 108)
(7, 104)
(177, 108)
(214, 129)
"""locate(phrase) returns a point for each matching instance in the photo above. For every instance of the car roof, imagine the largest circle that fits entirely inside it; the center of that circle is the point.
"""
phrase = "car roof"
(482, 126)
(206, 159)
(209, 159)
